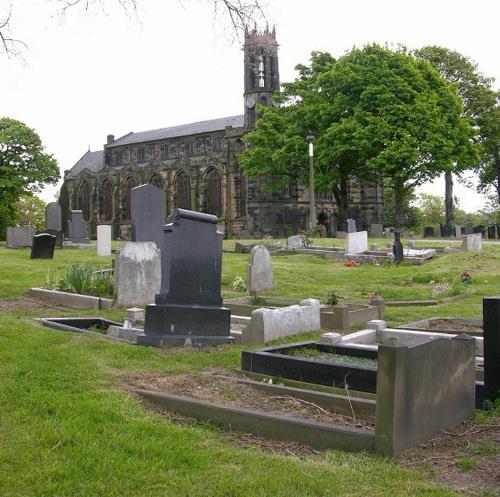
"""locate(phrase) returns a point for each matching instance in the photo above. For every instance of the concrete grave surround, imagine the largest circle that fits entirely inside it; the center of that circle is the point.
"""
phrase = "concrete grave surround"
(295, 242)
(43, 246)
(19, 236)
(137, 273)
(356, 242)
(147, 213)
(53, 219)
(260, 270)
(103, 240)
(472, 243)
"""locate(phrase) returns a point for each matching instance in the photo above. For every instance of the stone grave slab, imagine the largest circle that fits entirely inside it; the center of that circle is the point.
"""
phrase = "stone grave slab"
(103, 240)
(472, 243)
(294, 242)
(43, 246)
(351, 226)
(356, 242)
(53, 216)
(260, 270)
(458, 231)
(19, 236)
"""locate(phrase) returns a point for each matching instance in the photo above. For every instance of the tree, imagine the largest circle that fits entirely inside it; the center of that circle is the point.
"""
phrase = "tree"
(475, 91)
(30, 210)
(24, 165)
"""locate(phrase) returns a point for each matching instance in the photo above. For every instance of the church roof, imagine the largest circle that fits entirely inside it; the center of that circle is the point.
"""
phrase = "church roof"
(93, 161)
(177, 131)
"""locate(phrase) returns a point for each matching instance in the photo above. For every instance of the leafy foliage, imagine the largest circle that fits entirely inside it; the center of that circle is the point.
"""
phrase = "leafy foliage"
(30, 210)
(84, 279)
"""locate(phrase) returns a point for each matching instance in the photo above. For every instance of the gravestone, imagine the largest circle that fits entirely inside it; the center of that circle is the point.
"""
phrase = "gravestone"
(480, 228)
(245, 235)
(137, 273)
(147, 214)
(356, 243)
(43, 246)
(295, 242)
(498, 230)
(428, 231)
(103, 240)
(469, 228)
(53, 219)
(445, 230)
(351, 226)
(77, 228)
(376, 230)
(397, 246)
(19, 236)
(57, 233)
(458, 231)
(188, 308)
(472, 243)
(491, 334)
(260, 271)
(492, 231)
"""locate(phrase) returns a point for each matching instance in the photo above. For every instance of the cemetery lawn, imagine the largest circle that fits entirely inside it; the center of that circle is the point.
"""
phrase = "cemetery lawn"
(68, 428)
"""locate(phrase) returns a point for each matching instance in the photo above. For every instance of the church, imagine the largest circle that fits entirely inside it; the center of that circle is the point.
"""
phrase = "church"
(196, 165)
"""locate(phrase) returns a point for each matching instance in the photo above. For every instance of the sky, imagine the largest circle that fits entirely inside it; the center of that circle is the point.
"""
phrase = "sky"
(90, 73)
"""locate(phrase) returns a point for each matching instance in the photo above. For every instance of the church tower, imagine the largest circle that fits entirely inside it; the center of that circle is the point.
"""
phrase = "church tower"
(261, 71)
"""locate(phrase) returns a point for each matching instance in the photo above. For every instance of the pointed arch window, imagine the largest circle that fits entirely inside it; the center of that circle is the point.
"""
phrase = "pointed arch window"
(128, 184)
(106, 200)
(156, 180)
(213, 193)
(183, 191)
(84, 200)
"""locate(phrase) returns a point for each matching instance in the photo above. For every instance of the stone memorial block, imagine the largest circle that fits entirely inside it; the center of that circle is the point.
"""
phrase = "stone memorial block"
(458, 231)
(356, 243)
(260, 270)
(43, 246)
(376, 230)
(351, 226)
(472, 243)
(188, 308)
(77, 228)
(103, 240)
(19, 236)
(428, 231)
(53, 217)
(492, 231)
(137, 273)
(397, 246)
(295, 242)
(147, 214)
(469, 228)
(491, 333)
(445, 230)
(57, 233)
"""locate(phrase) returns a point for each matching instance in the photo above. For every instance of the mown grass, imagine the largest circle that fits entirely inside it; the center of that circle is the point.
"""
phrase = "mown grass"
(67, 429)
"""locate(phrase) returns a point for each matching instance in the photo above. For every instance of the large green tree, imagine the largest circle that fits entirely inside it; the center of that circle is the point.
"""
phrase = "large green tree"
(478, 100)
(24, 165)
(377, 115)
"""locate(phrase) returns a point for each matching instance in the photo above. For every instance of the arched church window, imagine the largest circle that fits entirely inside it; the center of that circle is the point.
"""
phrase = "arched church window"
(251, 68)
(106, 200)
(262, 71)
(183, 191)
(156, 180)
(84, 200)
(213, 193)
(128, 184)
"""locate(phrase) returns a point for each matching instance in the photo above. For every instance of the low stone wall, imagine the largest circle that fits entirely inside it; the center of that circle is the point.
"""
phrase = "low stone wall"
(71, 300)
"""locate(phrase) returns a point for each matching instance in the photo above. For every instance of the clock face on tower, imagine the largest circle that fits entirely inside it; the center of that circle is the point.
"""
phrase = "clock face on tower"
(250, 101)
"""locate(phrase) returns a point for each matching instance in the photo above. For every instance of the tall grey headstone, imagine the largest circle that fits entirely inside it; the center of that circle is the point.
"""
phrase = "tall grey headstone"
(137, 273)
(260, 270)
(53, 219)
(77, 228)
(147, 214)
(19, 236)
(188, 308)
(458, 231)
(103, 240)
(351, 226)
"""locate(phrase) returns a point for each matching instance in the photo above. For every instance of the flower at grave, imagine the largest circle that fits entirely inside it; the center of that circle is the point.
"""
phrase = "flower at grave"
(349, 263)
(466, 278)
(440, 289)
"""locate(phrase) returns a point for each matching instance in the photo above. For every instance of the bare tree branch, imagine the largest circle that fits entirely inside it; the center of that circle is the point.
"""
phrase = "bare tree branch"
(10, 46)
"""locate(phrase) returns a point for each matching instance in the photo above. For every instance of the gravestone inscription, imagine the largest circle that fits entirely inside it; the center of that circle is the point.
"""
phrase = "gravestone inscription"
(43, 246)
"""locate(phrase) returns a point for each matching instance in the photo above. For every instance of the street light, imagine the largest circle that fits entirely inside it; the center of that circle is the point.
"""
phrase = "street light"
(312, 204)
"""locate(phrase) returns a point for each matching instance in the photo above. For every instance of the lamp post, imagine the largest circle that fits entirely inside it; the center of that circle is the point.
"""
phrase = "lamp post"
(312, 204)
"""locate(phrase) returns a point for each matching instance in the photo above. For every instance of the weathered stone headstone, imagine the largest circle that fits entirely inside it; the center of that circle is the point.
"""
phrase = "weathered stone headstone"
(491, 333)
(188, 308)
(458, 231)
(103, 240)
(53, 219)
(428, 231)
(147, 214)
(356, 242)
(137, 273)
(77, 228)
(492, 231)
(260, 270)
(472, 243)
(19, 236)
(351, 226)
(295, 242)
(376, 230)
(445, 230)
(469, 228)
(397, 247)
(43, 246)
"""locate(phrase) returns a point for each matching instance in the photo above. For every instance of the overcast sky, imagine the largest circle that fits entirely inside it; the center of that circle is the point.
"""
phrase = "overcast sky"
(89, 74)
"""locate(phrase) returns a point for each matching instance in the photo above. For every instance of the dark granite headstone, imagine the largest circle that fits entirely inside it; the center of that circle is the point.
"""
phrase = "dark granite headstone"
(445, 230)
(43, 246)
(53, 219)
(397, 247)
(351, 226)
(492, 231)
(458, 231)
(147, 213)
(480, 228)
(77, 228)
(57, 234)
(188, 309)
(469, 229)
(428, 231)
(491, 337)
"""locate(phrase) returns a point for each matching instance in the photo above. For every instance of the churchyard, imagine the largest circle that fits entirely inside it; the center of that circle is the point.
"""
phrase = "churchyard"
(74, 425)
